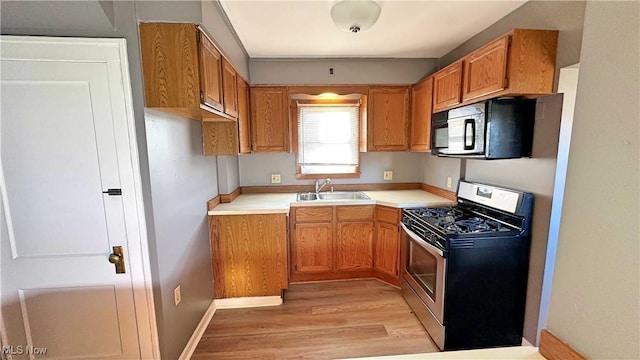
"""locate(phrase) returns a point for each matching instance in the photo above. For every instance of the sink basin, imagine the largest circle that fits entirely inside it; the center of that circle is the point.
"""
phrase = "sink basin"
(307, 196)
(338, 195)
(343, 195)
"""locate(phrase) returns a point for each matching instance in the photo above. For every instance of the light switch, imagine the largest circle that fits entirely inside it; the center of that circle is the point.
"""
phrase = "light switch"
(387, 175)
(275, 178)
(449, 182)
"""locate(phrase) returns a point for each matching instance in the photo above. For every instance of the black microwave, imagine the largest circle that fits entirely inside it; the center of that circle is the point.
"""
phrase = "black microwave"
(493, 129)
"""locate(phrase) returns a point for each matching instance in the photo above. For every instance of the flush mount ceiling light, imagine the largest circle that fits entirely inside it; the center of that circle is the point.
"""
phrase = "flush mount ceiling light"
(355, 15)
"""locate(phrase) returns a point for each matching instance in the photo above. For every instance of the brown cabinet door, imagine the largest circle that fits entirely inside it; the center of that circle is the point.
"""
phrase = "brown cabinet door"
(269, 119)
(244, 134)
(447, 86)
(210, 74)
(229, 89)
(387, 249)
(313, 248)
(388, 118)
(421, 98)
(355, 246)
(485, 70)
(253, 246)
(170, 72)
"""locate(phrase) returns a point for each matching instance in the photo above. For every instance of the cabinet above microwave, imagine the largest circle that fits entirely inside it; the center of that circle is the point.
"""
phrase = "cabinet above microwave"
(519, 63)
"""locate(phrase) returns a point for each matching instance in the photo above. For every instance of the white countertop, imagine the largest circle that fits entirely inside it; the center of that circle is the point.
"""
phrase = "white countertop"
(277, 203)
(513, 352)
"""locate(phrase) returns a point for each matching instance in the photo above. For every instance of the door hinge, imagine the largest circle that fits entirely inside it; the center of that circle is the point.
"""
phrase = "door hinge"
(198, 36)
(113, 192)
(506, 83)
(201, 96)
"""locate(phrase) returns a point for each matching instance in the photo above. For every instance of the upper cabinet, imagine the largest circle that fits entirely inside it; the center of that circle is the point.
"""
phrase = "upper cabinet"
(520, 63)
(244, 134)
(230, 88)
(421, 98)
(183, 72)
(269, 119)
(388, 118)
(485, 70)
(447, 87)
(210, 73)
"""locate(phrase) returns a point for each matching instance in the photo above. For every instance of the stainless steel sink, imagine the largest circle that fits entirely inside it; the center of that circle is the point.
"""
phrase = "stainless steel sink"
(343, 195)
(338, 195)
(307, 196)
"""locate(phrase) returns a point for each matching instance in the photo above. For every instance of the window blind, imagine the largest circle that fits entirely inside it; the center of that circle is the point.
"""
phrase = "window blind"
(328, 139)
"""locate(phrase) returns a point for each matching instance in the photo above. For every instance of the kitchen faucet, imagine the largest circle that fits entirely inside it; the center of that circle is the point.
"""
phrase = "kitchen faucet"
(320, 186)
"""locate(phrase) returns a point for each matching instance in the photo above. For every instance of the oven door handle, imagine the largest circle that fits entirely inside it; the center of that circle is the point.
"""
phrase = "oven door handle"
(425, 245)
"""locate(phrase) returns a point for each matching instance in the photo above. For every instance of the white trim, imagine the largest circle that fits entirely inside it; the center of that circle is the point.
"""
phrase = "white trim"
(248, 302)
(198, 332)
(144, 303)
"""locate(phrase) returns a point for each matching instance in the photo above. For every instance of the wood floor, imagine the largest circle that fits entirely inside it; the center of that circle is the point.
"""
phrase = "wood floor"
(329, 320)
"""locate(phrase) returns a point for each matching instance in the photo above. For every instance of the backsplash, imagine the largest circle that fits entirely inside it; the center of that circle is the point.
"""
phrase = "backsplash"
(256, 169)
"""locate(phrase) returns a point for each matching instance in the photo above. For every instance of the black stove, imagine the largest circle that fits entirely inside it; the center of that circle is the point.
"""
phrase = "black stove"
(465, 266)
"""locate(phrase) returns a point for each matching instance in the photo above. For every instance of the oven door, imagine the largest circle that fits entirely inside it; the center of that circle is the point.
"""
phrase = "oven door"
(424, 271)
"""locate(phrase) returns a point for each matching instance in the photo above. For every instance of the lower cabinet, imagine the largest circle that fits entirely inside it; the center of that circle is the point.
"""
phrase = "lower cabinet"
(249, 255)
(355, 246)
(386, 251)
(345, 242)
(313, 247)
(387, 244)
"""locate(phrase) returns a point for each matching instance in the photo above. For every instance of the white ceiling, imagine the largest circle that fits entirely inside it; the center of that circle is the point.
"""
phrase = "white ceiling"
(405, 29)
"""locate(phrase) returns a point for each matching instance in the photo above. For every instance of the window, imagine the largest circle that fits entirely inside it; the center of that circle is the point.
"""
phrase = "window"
(328, 138)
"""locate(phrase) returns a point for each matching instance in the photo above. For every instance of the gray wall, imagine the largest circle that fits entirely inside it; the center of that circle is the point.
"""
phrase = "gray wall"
(182, 180)
(595, 292)
(228, 174)
(436, 170)
(256, 169)
(565, 16)
(536, 175)
(346, 71)
(177, 180)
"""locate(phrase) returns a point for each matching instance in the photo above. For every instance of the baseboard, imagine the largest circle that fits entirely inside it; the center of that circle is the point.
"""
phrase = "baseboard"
(554, 348)
(248, 302)
(198, 332)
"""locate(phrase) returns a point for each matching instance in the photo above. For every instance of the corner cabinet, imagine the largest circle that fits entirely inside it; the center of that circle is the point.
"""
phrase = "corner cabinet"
(244, 134)
(519, 63)
(421, 98)
(388, 118)
(269, 119)
(249, 255)
(387, 244)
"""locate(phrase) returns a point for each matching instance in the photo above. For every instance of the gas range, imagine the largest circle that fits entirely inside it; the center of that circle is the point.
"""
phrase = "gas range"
(465, 266)
(469, 219)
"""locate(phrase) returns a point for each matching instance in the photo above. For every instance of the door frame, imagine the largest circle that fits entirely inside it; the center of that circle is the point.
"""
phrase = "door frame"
(133, 206)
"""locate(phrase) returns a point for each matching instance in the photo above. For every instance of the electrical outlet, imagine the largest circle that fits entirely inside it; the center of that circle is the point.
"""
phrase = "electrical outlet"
(275, 178)
(177, 297)
(387, 175)
(449, 182)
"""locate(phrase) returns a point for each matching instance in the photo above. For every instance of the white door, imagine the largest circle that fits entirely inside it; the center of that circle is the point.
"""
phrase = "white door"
(65, 138)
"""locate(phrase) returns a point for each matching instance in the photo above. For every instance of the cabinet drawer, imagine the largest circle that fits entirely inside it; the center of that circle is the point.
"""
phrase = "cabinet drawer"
(388, 215)
(314, 214)
(351, 213)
